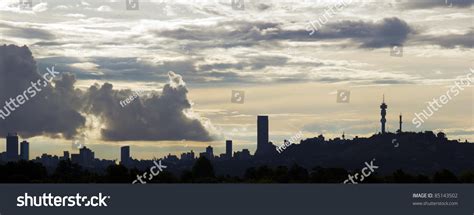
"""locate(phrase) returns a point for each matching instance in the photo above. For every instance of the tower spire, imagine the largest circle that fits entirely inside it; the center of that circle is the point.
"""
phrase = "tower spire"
(400, 129)
(383, 112)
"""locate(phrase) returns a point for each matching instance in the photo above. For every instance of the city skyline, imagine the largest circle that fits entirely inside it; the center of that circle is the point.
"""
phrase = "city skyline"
(179, 75)
(264, 147)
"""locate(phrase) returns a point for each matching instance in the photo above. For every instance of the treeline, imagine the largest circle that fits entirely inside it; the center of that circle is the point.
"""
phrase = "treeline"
(203, 172)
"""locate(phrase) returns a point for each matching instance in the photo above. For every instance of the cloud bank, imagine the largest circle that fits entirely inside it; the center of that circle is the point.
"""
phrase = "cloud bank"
(50, 113)
(60, 110)
(154, 117)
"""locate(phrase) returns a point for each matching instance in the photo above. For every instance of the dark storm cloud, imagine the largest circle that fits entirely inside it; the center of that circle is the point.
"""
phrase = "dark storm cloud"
(240, 33)
(157, 117)
(368, 34)
(57, 110)
(261, 62)
(196, 69)
(131, 68)
(63, 64)
(223, 31)
(51, 112)
(29, 33)
(426, 4)
(450, 41)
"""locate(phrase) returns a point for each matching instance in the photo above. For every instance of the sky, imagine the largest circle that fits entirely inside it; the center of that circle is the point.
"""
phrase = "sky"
(288, 58)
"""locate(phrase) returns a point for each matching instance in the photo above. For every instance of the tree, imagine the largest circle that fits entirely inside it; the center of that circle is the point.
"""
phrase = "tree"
(401, 177)
(423, 179)
(250, 174)
(118, 174)
(203, 170)
(281, 174)
(298, 174)
(467, 177)
(445, 176)
(264, 174)
(23, 172)
(187, 176)
(68, 172)
(328, 175)
(165, 177)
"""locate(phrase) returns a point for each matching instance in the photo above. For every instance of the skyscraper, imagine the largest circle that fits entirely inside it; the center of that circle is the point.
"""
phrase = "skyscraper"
(65, 155)
(12, 147)
(228, 148)
(86, 156)
(210, 152)
(383, 113)
(262, 132)
(264, 148)
(25, 150)
(187, 156)
(124, 154)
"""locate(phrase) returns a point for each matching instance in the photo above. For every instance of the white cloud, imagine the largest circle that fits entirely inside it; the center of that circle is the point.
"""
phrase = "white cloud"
(104, 8)
(41, 7)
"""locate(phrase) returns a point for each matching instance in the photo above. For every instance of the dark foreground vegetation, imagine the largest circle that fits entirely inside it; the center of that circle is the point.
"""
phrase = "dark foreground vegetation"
(203, 172)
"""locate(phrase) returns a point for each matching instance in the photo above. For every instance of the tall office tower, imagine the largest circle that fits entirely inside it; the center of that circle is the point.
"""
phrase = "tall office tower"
(124, 154)
(12, 147)
(383, 113)
(262, 136)
(210, 152)
(65, 155)
(86, 156)
(228, 148)
(24, 150)
(191, 154)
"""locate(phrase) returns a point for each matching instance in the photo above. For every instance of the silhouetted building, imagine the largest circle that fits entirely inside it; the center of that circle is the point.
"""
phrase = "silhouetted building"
(221, 157)
(48, 160)
(86, 153)
(65, 155)
(243, 155)
(262, 132)
(383, 113)
(187, 156)
(171, 158)
(24, 150)
(124, 155)
(3, 156)
(84, 158)
(264, 147)
(228, 148)
(75, 158)
(210, 151)
(209, 154)
(12, 147)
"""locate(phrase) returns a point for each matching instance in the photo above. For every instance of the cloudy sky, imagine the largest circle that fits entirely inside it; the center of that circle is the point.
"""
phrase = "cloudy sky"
(188, 56)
